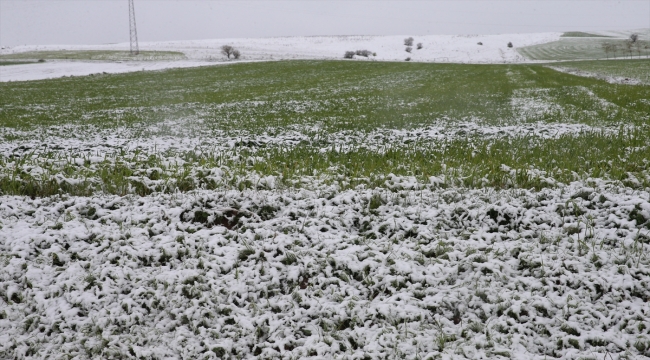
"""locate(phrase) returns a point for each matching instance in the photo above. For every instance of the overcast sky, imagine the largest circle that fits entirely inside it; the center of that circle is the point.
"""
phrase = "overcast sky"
(106, 21)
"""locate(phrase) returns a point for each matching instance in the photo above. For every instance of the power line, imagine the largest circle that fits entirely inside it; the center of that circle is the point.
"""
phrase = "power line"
(135, 49)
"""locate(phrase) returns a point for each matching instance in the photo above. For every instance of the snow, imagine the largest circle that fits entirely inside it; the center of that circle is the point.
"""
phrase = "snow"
(410, 270)
(455, 273)
(609, 78)
(93, 144)
(436, 48)
(57, 69)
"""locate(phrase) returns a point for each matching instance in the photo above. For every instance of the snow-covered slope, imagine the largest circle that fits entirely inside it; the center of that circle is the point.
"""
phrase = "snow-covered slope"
(436, 48)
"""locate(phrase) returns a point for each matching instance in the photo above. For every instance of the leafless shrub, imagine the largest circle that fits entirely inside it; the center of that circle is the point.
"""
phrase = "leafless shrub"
(638, 45)
(227, 50)
(364, 53)
(634, 38)
(407, 59)
(408, 49)
(408, 41)
(628, 45)
(349, 55)
(479, 43)
(419, 46)
(509, 44)
(613, 48)
(607, 47)
(236, 54)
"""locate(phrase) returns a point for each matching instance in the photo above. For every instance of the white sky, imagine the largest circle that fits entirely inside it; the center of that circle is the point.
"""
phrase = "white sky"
(42, 22)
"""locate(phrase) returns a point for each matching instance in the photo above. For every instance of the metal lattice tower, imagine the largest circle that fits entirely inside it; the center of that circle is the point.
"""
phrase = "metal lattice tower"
(135, 49)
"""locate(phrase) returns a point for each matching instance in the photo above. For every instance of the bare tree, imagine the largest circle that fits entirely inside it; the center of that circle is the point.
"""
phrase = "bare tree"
(227, 50)
(613, 48)
(607, 48)
(236, 54)
(510, 44)
(349, 55)
(628, 46)
(634, 40)
(408, 41)
(637, 45)
(419, 46)
(408, 49)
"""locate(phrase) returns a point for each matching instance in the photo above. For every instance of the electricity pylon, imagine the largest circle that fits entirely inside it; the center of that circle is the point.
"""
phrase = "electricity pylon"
(135, 49)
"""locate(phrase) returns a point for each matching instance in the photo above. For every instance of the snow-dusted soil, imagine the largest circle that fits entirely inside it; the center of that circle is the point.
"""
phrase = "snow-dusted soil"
(436, 48)
(409, 272)
(179, 136)
(610, 79)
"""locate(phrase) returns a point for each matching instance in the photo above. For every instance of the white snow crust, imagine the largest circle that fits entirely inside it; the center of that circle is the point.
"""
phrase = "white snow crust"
(409, 271)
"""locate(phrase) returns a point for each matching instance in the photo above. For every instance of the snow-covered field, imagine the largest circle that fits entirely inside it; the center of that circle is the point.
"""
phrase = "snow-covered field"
(59, 68)
(426, 272)
(325, 210)
(615, 72)
(590, 46)
(436, 48)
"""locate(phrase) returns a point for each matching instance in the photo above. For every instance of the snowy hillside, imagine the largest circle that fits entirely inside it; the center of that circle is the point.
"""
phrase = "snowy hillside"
(435, 48)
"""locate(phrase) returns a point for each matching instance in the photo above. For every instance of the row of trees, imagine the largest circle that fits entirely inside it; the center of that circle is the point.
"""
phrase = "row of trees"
(629, 45)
